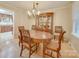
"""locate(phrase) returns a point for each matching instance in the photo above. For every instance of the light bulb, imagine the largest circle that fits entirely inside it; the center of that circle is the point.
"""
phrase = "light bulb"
(38, 12)
(29, 13)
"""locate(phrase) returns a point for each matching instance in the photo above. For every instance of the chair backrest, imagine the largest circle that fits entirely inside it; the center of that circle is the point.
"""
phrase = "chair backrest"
(26, 36)
(60, 39)
(20, 28)
(33, 27)
(58, 29)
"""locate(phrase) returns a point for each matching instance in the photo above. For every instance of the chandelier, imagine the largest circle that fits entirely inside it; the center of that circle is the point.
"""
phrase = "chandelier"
(34, 12)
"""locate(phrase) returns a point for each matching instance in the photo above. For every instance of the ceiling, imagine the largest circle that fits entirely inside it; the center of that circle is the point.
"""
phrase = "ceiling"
(42, 4)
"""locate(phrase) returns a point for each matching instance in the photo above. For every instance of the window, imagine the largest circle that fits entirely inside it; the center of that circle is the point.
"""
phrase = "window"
(75, 13)
(76, 28)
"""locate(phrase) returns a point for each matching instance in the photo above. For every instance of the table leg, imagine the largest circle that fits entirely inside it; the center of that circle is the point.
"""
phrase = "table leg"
(43, 51)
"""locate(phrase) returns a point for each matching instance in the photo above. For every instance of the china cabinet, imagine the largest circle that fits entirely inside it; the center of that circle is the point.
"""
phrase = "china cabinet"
(44, 22)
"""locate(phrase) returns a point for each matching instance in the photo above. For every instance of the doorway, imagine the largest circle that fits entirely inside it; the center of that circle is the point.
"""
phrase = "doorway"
(6, 24)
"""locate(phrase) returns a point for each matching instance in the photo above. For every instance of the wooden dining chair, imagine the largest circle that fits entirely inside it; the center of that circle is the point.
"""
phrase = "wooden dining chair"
(46, 29)
(53, 47)
(27, 43)
(20, 28)
(33, 27)
(58, 29)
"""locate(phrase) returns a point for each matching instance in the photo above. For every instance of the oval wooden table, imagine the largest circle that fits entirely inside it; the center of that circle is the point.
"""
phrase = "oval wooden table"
(40, 36)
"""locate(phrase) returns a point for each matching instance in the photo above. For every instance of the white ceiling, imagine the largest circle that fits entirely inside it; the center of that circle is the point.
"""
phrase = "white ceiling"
(42, 4)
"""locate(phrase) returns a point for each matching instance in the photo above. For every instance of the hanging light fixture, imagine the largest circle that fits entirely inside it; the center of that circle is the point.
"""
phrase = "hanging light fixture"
(34, 10)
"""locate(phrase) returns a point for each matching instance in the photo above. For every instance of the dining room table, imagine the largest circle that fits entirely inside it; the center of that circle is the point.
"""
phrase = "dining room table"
(40, 37)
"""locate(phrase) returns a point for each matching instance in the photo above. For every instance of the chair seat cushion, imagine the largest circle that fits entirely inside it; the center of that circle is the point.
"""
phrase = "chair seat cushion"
(27, 45)
(53, 45)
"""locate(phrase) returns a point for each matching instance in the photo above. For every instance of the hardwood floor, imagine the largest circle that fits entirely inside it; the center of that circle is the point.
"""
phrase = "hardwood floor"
(9, 48)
